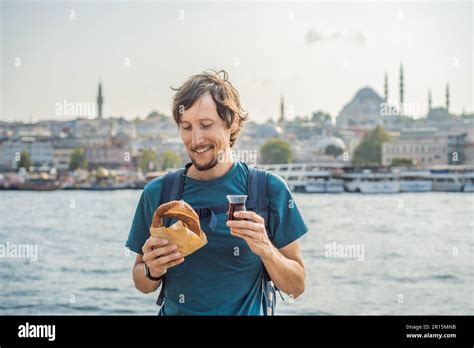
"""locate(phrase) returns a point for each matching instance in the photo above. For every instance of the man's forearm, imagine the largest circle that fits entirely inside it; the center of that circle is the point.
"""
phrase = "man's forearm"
(142, 283)
(288, 275)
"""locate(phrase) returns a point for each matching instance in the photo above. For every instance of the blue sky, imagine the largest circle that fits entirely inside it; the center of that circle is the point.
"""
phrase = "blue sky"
(318, 54)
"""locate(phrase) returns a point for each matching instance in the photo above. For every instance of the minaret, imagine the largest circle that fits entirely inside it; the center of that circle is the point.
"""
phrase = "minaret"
(282, 109)
(385, 88)
(100, 101)
(401, 90)
(429, 100)
(447, 97)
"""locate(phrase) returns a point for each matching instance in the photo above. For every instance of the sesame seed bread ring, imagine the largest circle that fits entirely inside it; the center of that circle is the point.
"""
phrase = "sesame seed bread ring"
(179, 210)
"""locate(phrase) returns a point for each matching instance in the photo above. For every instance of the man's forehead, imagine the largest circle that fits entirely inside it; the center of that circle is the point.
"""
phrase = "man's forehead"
(203, 108)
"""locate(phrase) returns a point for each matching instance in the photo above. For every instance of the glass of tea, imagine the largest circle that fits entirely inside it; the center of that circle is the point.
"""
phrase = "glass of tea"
(236, 203)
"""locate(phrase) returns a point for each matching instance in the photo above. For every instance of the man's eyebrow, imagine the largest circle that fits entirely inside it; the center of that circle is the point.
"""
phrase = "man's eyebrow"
(199, 119)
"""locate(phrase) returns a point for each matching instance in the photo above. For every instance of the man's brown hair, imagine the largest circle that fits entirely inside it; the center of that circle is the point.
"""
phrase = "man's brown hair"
(224, 94)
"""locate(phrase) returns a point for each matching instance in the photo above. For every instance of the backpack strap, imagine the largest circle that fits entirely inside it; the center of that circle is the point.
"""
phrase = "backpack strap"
(257, 201)
(173, 184)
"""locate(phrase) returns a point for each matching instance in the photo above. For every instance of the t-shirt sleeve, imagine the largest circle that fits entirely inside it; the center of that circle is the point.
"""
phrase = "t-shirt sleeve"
(285, 220)
(140, 229)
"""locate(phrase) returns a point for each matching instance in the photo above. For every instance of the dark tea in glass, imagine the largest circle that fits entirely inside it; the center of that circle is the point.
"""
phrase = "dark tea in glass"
(236, 203)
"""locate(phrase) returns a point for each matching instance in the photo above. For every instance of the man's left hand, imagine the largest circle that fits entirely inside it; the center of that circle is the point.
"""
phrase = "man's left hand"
(252, 230)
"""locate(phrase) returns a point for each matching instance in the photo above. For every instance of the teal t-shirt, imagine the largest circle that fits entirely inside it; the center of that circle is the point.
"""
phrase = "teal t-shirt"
(224, 276)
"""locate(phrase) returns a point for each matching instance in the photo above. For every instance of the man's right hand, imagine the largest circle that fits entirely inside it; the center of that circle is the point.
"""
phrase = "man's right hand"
(159, 255)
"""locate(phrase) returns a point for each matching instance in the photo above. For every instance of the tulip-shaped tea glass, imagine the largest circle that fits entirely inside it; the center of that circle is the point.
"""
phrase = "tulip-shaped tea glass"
(236, 203)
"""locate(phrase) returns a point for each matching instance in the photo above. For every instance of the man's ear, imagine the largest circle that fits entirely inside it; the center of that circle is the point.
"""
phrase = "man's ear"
(234, 126)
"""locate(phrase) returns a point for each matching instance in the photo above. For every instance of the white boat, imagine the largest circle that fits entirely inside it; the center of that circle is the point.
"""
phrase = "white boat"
(307, 178)
(446, 182)
(327, 178)
(334, 186)
(468, 182)
(324, 186)
(322, 182)
(415, 181)
(367, 182)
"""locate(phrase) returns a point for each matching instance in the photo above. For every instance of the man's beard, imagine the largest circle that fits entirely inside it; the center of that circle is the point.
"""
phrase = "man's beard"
(211, 164)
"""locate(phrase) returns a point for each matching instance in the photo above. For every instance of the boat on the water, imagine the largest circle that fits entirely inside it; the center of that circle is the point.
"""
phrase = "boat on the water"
(311, 178)
(415, 181)
(32, 182)
(301, 177)
(321, 182)
(444, 181)
(368, 182)
(468, 185)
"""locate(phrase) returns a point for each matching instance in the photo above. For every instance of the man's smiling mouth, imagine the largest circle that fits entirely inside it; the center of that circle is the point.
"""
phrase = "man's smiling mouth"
(203, 149)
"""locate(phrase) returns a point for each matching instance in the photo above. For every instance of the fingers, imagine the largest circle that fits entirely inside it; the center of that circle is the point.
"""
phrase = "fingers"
(161, 264)
(151, 254)
(251, 229)
(153, 242)
(159, 256)
(249, 225)
(162, 251)
(240, 232)
(249, 215)
(162, 261)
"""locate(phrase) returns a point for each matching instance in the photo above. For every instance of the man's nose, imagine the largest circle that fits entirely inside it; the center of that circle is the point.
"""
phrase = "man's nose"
(197, 136)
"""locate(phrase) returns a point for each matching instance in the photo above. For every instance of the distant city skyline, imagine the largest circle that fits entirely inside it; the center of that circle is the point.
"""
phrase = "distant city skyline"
(314, 56)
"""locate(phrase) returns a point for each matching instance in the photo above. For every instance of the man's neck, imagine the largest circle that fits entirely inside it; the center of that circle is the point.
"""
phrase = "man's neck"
(216, 172)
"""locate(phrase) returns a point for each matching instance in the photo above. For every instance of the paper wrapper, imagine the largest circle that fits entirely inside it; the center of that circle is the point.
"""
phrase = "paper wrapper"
(186, 240)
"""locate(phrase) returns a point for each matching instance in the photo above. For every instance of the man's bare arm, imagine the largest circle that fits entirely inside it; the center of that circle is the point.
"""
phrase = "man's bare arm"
(286, 268)
(142, 283)
(158, 255)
